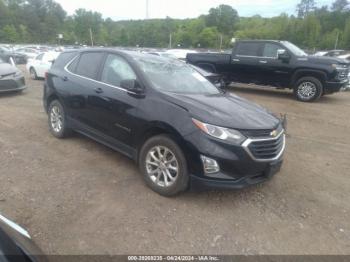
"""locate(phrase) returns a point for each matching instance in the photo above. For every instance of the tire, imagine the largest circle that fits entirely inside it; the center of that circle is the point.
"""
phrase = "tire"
(33, 74)
(156, 173)
(308, 89)
(57, 120)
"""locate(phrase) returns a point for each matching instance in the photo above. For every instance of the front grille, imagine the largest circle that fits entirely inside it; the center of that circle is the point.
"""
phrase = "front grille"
(267, 149)
(261, 133)
(7, 84)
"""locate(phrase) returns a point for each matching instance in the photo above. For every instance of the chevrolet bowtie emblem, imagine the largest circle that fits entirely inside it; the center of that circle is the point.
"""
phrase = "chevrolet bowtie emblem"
(274, 133)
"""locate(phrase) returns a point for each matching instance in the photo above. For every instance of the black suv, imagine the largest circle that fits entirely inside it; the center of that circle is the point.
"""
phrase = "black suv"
(279, 64)
(178, 127)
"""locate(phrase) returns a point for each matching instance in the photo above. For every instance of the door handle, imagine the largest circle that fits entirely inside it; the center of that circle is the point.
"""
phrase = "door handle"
(235, 60)
(98, 90)
(263, 62)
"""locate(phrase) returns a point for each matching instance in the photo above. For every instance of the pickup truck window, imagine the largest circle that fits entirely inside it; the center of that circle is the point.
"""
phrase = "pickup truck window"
(270, 50)
(248, 49)
(294, 49)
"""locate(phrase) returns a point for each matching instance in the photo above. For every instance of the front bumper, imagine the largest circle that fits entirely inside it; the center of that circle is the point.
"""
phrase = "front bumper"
(201, 183)
(238, 168)
(333, 87)
(8, 84)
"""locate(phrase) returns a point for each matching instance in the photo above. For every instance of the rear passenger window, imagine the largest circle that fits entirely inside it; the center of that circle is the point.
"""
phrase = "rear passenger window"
(248, 49)
(62, 60)
(89, 64)
(270, 50)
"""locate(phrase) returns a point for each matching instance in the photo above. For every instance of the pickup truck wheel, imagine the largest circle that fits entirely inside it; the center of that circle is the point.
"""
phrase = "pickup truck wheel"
(308, 89)
(164, 166)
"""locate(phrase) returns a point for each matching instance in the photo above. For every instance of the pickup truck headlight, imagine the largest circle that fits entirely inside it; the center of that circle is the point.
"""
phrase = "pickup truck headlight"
(339, 67)
(222, 133)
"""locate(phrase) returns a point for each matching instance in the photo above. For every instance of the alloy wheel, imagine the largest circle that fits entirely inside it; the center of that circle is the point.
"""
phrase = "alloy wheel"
(307, 90)
(162, 166)
(56, 119)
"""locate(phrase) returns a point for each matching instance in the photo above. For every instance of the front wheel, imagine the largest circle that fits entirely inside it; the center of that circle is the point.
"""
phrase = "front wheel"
(308, 89)
(164, 166)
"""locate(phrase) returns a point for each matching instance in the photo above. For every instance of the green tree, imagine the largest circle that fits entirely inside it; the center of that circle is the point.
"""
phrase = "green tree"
(305, 7)
(9, 33)
(340, 5)
(224, 18)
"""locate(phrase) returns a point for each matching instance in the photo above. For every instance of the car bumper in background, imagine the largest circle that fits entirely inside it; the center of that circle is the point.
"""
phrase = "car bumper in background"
(12, 84)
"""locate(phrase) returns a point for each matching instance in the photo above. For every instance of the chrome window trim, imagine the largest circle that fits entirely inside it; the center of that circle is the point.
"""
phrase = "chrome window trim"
(93, 80)
(246, 144)
(250, 56)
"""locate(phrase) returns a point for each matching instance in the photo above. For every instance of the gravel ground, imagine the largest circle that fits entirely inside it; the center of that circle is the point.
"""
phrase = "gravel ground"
(78, 197)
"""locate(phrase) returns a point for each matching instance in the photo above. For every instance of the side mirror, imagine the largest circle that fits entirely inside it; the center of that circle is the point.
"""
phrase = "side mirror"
(283, 55)
(132, 85)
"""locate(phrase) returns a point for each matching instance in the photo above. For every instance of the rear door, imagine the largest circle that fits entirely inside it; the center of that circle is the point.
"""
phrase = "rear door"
(244, 64)
(274, 71)
(82, 89)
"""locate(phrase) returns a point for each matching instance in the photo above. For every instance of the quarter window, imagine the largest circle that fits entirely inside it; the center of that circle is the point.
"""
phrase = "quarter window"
(248, 49)
(89, 64)
(116, 70)
(270, 50)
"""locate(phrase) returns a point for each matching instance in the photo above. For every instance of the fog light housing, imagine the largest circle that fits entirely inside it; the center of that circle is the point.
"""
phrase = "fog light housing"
(210, 165)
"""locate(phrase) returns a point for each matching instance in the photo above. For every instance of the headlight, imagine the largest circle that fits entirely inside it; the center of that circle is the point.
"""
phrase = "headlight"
(18, 74)
(222, 133)
(339, 67)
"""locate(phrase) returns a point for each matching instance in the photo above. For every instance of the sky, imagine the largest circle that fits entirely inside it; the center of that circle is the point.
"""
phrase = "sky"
(136, 9)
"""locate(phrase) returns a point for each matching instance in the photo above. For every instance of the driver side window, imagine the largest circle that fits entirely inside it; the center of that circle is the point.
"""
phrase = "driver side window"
(270, 50)
(116, 70)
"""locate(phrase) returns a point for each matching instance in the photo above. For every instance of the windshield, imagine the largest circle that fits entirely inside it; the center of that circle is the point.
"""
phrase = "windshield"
(175, 76)
(294, 49)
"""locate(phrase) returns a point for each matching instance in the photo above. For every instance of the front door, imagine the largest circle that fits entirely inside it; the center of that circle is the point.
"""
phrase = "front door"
(273, 71)
(116, 106)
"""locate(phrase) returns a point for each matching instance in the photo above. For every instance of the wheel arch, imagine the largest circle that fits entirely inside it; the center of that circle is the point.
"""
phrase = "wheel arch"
(206, 66)
(298, 74)
(161, 128)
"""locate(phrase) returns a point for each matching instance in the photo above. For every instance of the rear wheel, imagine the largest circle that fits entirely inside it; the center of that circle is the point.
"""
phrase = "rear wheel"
(33, 74)
(308, 89)
(57, 120)
(164, 166)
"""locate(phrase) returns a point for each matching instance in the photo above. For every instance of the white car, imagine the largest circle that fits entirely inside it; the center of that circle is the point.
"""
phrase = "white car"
(38, 66)
(29, 52)
(347, 58)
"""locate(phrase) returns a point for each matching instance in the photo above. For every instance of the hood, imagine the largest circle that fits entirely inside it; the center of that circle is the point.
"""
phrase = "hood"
(7, 69)
(225, 110)
(327, 60)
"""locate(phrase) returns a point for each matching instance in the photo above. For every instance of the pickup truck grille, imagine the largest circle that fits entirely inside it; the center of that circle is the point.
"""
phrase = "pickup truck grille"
(267, 149)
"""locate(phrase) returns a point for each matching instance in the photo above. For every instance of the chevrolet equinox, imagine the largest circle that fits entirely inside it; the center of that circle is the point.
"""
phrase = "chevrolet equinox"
(179, 128)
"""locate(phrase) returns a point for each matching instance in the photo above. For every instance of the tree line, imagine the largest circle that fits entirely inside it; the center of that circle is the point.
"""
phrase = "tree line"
(40, 21)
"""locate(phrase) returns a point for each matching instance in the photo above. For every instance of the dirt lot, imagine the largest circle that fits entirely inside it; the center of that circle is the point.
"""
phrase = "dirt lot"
(78, 197)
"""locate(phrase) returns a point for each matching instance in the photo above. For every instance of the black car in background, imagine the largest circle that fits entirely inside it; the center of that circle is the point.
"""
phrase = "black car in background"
(7, 54)
(279, 64)
(11, 78)
(180, 129)
(16, 244)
